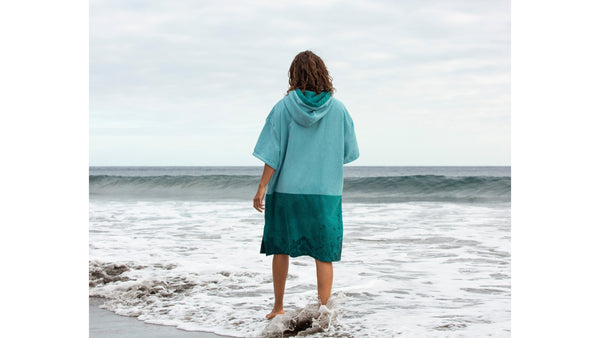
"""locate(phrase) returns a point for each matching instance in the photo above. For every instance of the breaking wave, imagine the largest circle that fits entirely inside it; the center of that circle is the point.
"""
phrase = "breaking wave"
(381, 189)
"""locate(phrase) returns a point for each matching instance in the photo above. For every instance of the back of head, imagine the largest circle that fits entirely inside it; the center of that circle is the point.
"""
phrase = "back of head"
(308, 72)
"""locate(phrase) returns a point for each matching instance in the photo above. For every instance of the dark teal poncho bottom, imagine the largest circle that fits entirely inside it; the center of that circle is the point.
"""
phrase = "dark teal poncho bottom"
(303, 224)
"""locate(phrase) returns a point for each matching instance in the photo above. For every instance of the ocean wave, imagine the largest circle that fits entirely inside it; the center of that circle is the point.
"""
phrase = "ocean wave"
(380, 189)
(427, 188)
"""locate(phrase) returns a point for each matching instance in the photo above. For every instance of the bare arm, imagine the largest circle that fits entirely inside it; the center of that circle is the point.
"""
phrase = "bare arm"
(262, 188)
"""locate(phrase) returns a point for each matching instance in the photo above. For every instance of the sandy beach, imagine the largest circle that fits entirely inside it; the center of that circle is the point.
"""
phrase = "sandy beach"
(104, 323)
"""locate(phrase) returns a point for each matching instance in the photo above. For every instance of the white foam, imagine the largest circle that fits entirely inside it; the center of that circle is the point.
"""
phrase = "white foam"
(407, 268)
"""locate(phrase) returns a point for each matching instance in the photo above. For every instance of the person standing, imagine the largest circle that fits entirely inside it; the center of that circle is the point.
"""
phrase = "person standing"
(307, 138)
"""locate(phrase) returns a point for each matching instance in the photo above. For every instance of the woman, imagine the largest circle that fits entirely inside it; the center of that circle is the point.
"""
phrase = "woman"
(307, 138)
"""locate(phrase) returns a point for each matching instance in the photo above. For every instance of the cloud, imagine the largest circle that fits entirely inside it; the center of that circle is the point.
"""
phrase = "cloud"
(181, 69)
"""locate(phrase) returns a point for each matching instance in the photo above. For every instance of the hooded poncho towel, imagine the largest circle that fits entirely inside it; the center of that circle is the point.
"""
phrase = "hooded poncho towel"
(307, 138)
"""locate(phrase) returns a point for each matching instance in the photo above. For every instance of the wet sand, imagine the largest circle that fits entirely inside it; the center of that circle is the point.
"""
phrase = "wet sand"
(104, 323)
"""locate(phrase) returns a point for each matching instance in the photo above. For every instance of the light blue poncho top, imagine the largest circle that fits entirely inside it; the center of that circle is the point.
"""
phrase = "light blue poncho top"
(307, 138)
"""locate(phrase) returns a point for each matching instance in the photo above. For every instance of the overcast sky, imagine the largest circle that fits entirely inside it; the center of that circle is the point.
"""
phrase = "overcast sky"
(191, 82)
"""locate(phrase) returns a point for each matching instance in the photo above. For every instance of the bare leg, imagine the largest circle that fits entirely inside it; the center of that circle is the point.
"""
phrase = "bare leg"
(280, 271)
(324, 280)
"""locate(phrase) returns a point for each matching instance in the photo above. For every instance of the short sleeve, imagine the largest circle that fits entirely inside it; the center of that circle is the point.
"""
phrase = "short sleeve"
(267, 147)
(351, 152)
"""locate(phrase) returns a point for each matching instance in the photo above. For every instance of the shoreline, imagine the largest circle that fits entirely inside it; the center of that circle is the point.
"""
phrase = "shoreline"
(104, 323)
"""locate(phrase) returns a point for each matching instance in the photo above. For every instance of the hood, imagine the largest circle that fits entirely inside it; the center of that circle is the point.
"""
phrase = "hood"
(308, 108)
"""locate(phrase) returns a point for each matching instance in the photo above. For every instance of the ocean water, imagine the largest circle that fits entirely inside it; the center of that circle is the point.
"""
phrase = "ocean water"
(426, 252)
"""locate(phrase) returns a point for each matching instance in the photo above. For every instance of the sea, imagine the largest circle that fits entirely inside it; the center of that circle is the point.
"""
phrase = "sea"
(426, 253)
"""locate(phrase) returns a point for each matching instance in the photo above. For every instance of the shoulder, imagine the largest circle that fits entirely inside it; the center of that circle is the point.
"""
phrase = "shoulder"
(338, 104)
(343, 112)
(340, 110)
(278, 114)
(276, 110)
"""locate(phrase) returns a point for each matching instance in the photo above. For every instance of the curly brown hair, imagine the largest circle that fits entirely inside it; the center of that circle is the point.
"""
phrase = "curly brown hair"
(308, 72)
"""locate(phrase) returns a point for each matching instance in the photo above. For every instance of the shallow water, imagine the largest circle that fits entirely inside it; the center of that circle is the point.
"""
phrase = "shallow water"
(417, 268)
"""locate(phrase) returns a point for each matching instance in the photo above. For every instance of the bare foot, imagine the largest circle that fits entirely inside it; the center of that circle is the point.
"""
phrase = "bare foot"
(275, 313)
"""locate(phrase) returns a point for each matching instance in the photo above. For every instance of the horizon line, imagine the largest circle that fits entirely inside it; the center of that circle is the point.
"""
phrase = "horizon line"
(374, 165)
